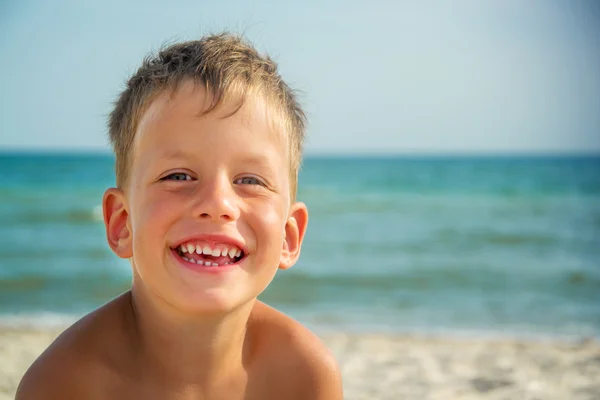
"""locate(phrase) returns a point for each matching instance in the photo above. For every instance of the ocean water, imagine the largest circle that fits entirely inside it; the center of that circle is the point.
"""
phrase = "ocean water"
(500, 245)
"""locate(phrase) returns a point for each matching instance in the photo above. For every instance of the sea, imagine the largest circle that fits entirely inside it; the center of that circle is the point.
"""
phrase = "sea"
(496, 245)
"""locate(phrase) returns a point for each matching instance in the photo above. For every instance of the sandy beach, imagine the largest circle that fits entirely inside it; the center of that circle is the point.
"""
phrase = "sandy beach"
(377, 366)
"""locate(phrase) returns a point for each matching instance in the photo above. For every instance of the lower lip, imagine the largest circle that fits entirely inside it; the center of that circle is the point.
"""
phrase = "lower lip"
(203, 268)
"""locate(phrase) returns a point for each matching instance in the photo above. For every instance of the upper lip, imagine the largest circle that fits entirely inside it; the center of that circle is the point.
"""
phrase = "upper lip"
(213, 238)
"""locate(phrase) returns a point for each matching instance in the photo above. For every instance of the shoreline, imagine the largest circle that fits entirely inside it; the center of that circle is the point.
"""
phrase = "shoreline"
(58, 322)
(408, 366)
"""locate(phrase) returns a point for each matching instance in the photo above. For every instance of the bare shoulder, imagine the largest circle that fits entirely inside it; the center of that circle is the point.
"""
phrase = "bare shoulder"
(298, 357)
(77, 360)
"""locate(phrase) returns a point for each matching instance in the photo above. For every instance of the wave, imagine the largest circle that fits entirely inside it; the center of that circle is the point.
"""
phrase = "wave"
(25, 252)
(37, 215)
(417, 283)
(34, 217)
(492, 237)
(325, 323)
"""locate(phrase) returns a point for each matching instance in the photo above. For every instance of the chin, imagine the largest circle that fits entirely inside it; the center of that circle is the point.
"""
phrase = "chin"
(209, 302)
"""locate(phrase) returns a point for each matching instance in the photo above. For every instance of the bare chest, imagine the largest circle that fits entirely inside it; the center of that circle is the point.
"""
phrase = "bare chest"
(263, 386)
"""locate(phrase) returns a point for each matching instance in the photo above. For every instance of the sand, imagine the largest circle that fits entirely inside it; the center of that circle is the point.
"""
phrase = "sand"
(377, 366)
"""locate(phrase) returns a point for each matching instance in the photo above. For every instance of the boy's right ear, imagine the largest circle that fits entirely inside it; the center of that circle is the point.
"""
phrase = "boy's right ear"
(116, 216)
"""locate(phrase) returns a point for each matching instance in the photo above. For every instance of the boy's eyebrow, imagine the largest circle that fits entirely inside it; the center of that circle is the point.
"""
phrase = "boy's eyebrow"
(249, 159)
(254, 159)
(174, 154)
(258, 159)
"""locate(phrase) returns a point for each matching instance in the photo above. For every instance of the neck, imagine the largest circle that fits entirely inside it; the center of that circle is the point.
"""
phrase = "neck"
(187, 349)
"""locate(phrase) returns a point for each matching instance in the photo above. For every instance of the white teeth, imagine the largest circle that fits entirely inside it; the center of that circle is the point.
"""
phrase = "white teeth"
(192, 261)
(185, 258)
(232, 252)
(227, 263)
(200, 262)
(214, 264)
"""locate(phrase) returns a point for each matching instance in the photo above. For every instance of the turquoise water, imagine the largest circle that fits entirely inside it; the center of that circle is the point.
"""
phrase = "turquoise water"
(502, 245)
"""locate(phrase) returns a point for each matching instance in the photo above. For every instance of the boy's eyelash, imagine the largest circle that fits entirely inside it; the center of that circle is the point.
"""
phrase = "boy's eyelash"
(166, 178)
(256, 180)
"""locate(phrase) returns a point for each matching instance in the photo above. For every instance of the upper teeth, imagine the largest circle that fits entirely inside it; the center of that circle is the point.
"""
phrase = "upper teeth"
(216, 251)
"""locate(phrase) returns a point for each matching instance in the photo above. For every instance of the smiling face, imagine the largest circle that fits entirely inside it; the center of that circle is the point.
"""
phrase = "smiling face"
(206, 218)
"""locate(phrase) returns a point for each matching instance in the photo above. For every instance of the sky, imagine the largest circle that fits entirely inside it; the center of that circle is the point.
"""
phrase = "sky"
(374, 76)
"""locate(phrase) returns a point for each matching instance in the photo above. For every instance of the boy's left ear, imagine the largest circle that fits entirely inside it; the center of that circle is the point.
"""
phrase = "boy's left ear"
(295, 227)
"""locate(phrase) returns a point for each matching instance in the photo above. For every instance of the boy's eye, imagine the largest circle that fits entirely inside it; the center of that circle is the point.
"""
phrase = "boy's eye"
(248, 180)
(177, 176)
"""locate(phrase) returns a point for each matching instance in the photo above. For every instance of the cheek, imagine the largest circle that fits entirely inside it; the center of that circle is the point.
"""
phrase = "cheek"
(270, 220)
(152, 213)
(273, 219)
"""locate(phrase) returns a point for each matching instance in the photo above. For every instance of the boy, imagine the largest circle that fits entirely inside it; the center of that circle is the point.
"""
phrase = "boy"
(208, 144)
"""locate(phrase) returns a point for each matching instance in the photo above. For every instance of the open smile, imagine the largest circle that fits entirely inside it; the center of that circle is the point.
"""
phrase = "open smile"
(209, 254)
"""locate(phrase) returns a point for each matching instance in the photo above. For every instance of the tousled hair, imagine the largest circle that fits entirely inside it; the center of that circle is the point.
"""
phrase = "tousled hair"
(228, 67)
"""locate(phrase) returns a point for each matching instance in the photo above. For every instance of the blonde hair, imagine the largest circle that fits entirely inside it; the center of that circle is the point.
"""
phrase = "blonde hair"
(226, 65)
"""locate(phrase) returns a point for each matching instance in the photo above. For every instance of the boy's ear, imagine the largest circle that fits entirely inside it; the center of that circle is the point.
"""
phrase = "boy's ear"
(295, 227)
(116, 215)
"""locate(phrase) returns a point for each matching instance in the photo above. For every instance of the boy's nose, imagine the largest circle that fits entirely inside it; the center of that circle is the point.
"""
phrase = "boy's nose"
(218, 202)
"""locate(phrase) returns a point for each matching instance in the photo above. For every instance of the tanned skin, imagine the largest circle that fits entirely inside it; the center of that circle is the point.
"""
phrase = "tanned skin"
(184, 332)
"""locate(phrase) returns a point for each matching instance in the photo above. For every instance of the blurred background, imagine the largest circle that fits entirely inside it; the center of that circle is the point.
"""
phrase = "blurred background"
(452, 170)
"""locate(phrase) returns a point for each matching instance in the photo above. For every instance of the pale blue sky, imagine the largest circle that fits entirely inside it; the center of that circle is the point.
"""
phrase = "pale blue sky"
(376, 76)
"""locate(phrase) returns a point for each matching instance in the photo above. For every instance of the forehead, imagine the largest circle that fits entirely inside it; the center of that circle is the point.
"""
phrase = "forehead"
(177, 123)
(187, 106)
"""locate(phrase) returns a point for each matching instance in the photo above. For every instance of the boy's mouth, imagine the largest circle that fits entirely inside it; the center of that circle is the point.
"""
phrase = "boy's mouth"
(209, 254)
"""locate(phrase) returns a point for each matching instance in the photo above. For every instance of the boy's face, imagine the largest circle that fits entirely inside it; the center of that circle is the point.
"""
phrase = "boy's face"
(200, 186)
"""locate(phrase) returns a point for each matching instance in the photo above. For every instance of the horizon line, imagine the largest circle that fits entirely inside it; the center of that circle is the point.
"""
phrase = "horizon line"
(339, 154)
